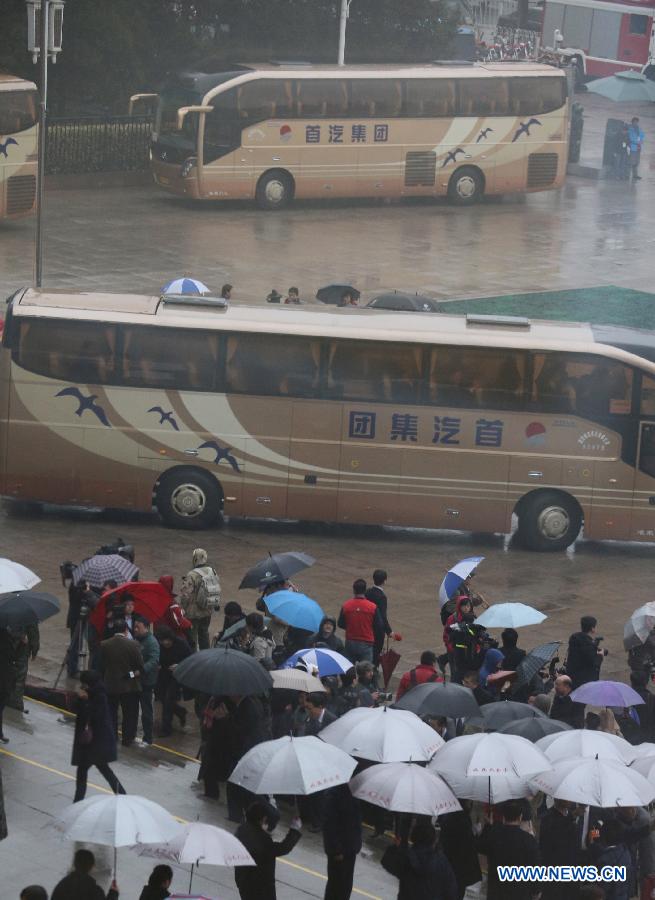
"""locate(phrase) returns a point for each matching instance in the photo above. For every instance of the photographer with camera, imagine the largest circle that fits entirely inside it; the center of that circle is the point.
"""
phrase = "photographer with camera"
(201, 595)
(465, 641)
(585, 656)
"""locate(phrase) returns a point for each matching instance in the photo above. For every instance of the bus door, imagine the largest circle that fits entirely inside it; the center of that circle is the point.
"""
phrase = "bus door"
(224, 173)
(643, 502)
(314, 460)
(370, 466)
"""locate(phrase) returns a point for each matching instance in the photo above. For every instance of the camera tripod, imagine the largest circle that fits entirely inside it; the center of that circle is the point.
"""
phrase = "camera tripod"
(78, 649)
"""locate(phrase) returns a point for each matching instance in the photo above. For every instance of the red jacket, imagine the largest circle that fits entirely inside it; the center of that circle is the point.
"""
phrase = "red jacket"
(448, 637)
(419, 675)
(357, 617)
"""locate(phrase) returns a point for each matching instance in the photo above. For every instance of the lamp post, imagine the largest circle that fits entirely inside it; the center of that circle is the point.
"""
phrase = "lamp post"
(343, 19)
(45, 20)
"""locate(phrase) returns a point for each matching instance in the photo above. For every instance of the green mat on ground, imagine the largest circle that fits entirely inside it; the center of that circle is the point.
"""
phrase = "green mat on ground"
(606, 305)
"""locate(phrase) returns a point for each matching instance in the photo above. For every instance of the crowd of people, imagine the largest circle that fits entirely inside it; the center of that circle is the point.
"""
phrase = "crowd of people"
(132, 665)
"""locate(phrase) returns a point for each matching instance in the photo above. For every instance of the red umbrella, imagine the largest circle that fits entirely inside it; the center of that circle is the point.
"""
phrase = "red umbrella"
(151, 600)
(388, 661)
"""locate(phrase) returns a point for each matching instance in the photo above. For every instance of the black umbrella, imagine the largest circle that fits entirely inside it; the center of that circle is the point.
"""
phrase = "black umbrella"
(332, 293)
(276, 567)
(223, 671)
(533, 662)
(495, 715)
(534, 727)
(451, 700)
(26, 608)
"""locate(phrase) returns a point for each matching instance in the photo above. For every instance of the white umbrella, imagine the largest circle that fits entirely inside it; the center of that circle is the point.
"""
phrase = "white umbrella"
(645, 765)
(297, 680)
(383, 735)
(510, 615)
(117, 820)
(645, 749)
(595, 782)
(199, 843)
(489, 766)
(581, 743)
(639, 626)
(291, 765)
(405, 787)
(15, 577)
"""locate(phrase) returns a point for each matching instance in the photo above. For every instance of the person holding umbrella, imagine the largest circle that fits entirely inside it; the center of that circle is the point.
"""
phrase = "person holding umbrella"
(80, 884)
(258, 882)
(94, 742)
(342, 840)
(422, 870)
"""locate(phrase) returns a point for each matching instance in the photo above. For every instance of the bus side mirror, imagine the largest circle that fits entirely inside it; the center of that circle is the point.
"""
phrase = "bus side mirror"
(137, 98)
(183, 112)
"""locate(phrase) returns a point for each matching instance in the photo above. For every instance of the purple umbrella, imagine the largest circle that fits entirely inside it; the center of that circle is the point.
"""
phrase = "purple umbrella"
(606, 693)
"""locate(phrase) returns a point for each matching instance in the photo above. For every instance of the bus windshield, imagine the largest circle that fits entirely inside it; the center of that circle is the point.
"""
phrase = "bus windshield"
(170, 101)
(18, 111)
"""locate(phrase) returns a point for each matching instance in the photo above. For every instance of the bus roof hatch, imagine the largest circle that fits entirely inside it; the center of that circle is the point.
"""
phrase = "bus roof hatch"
(502, 321)
(204, 300)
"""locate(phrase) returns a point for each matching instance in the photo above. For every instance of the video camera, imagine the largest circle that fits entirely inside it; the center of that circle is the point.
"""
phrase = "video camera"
(597, 641)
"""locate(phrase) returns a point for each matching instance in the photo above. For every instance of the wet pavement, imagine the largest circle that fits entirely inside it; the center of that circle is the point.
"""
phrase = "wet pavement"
(591, 232)
(134, 239)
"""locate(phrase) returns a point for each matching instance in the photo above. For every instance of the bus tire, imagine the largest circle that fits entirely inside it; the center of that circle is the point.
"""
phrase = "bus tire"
(188, 499)
(548, 521)
(466, 186)
(649, 72)
(274, 190)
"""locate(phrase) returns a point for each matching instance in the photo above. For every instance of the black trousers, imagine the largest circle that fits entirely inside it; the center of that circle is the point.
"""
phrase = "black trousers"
(129, 705)
(340, 874)
(82, 775)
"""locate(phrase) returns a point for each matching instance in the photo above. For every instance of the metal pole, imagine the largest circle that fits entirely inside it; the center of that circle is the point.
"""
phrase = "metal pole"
(40, 175)
(343, 18)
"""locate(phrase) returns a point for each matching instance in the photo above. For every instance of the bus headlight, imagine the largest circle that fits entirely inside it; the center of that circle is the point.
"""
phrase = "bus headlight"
(187, 166)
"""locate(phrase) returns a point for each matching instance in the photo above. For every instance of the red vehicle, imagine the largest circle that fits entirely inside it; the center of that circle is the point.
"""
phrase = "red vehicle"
(602, 37)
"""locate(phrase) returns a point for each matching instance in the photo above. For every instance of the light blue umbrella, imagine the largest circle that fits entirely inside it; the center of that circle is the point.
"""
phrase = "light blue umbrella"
(455, 576)
(295, 609)
(185, 286)
(624, 87)
(607, 693)
(510, 615)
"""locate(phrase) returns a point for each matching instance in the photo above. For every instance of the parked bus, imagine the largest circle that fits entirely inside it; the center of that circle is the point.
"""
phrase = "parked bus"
(278, 132)
(355, 415)
(18, 146)
(602, 37)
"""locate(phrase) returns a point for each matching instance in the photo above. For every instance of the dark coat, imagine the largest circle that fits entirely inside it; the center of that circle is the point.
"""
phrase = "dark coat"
(508, 845)
(618, 855)
(154, 893)
(559, 845)
(564, 709)
(314, 727)
(171, 656)
(118, 657)
(258, 882)
(332, 641)
(81, 887)
(7, 665)
(342, 822)
(423, 873)
(95, 713)
(512, 656)
(251, 722)
(149, 646)
(377, 595)
(583, 661)
(456, 839)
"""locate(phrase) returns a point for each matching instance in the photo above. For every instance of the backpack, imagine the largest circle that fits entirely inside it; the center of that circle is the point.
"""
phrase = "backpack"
(208, 593)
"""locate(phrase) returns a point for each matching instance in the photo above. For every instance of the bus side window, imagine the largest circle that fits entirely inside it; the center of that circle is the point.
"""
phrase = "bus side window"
(375, 97)
(647, 404)
(79, 352)
(320, 97)
(552, 389)
(647, 450)
(168, 358)
(265, 99)
(430, 97)
(387, 373)
(484, 97)
(272, 365)
(452, 381)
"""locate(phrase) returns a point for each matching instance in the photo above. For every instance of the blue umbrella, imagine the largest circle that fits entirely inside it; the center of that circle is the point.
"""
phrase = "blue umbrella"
(328, 662)
(295, 609)
(455, 576)
(607, 693)
(185, 286)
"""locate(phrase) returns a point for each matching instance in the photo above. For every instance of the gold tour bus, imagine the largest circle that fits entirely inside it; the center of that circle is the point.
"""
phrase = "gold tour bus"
(353, 415)
(18, 146)
(276, 132)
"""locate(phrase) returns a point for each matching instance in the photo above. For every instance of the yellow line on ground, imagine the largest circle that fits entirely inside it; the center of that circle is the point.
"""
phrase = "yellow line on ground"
(69, 777)
(67, 712)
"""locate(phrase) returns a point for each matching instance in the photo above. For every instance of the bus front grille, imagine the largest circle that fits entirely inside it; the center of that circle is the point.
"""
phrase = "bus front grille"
(420, 169)
(21, 190)
(542, 169)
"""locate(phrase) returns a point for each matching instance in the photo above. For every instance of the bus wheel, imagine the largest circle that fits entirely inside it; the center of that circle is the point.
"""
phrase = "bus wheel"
(188, 499)
(466, 186)
(649, 72)
(549, 520)
(274, 190)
